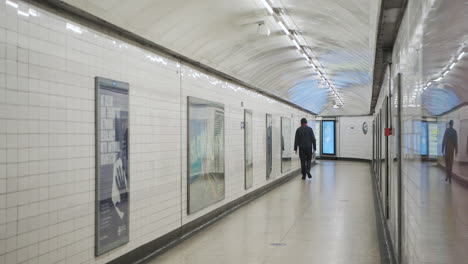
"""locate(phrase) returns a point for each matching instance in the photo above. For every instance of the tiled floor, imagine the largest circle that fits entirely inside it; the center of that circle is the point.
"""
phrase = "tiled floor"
(442, 217)
(328, 219)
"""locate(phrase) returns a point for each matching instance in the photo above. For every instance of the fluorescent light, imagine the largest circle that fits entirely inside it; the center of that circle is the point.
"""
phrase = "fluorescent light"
(438, 79)
(428, 84)
(33, 12)
(22, 13)
(453, 65)
(268, 7)
(10, 3)
(461, 55)
(74, 28)
(296, 44)
(284, 18)
(283, 27)
(445, 73)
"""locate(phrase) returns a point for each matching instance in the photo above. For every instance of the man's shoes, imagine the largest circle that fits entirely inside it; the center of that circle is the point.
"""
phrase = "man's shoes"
(303, 177)
(310, 175)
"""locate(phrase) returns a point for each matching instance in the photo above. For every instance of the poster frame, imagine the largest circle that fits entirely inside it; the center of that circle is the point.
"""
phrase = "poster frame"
(189, 212)
(98, 250)
(268, 175)
(283, 121)
(334, 139)
(247, 111)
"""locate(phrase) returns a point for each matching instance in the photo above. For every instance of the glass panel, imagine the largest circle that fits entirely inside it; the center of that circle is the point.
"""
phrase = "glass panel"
(328, 137)
(205, 153)
(286, 148)
(248, 143)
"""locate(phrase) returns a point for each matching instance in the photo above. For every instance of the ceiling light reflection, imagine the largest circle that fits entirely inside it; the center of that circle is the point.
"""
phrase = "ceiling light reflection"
(268, 6)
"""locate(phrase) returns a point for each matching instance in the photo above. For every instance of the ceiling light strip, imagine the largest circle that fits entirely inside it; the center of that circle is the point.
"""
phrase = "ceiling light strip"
(281, 18)
(446, 72)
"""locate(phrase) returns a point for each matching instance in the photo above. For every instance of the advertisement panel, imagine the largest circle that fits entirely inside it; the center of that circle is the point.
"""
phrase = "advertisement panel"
(112, 165)
(269, 145)
(328, 137)
(248, 148)
(205, 153)
(286, 146)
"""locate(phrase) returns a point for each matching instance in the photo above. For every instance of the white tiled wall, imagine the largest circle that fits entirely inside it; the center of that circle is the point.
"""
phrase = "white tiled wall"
(352, 142)
(47, 70)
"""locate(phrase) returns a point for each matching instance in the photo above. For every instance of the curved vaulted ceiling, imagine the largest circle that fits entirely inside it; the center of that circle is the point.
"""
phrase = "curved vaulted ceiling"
(443, 47)
(223, 34)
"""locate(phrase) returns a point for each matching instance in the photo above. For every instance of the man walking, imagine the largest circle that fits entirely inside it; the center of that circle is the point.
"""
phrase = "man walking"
(449, 147)
(305, 139)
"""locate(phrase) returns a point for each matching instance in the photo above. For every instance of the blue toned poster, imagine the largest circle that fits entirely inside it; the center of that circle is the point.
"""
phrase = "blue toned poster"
(424, 138)
(112, 188)
(328, 137)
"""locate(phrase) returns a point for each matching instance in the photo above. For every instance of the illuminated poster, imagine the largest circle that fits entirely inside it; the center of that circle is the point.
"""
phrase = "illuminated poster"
(248, 148)
(205, 153)
(269, 145)
(318, 137)
(112, 174)
(441, 126)
(328, 137)
(424, 138)
(286, 147)
(433, 137)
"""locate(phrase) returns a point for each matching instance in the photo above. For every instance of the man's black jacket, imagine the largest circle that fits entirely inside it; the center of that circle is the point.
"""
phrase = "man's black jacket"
(305, 138)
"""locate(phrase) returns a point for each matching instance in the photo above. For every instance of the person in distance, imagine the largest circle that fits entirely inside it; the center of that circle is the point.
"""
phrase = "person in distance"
(305, 140)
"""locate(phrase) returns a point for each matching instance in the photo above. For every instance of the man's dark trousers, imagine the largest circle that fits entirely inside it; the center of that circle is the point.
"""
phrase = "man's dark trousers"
(305, 154)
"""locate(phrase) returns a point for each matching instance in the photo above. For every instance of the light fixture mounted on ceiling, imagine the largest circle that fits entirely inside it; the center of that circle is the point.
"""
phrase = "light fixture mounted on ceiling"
(262, 29)
(281, 17)
(452, 64)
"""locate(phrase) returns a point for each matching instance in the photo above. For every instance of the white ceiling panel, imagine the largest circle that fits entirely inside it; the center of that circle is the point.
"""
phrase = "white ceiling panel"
(223, 34)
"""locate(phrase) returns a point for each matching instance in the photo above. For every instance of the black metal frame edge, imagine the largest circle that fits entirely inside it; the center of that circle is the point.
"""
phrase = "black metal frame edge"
(151, 250)
(387, 252)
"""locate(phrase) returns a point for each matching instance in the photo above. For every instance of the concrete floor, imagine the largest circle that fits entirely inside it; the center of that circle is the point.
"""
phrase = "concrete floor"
(328, 219)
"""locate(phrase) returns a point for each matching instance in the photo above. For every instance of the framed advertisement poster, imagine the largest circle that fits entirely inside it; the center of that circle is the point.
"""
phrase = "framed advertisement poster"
(269, 145)
(248, 148)
(205, 154)
(286, 149)
(112, 165)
